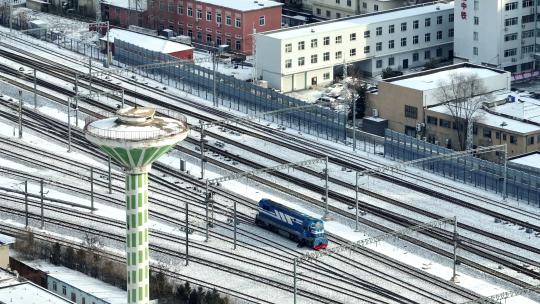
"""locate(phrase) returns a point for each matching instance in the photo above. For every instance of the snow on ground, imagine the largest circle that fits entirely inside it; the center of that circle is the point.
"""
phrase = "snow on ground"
(236, 70)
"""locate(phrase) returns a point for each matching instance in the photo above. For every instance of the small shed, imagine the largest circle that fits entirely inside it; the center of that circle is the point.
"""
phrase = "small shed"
(148, 43)
(5, 241)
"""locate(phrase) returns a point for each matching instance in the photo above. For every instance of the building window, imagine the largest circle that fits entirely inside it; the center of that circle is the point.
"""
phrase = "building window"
(391, 29)
(439, 19)
(301, 45)
(338, 15)
(190, 11)
(415, 57)
(477, 20)
(432, 120)
(427, 37)
(527, 19)
(328, 14)
(415, 39)
(415, 24)
(313, 58)
(288, 48)
(427, 54)
(326, 76)
(444, 123)
(475, 51)
(525, 34)
(318, 11)
(199, 14)
(237, 22)
(337, 1)
(288, 63)
(378, 31)
(326, 56)
(54, 287)
(209, 39)
(510, 6)
(170, 7)
(439, 52)
(411, 112)
(218, 18)
(228, 20)
(238, 44)
(513, 139)
(486, 132)
(376, 7)
(451, 18)
(314, 43)
(338, 39)
(301, 61)
(326, 40)
(180, 10)
(403, 26)
(366, 49)
(475, 36)
(339, 55)
(510, 21)
(208, 16)
(64, 291)
(378, 64)
(391, 61)
(73, 297)
(530, 140)
(349, 3)
(83, 301)
(451, 33)
(352, 36)
(364, 5)
(427, 22)
(390, 44)
(439, 35)
(352, 52)
(403, 41)
(262, 20)
(510, 52)
(366, 35)
(378, 46)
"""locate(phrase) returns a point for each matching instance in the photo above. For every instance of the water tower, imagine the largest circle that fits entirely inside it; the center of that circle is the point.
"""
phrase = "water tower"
(135, 137)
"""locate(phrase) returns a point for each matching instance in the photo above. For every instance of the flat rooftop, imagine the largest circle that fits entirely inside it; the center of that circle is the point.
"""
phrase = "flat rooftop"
(243, 5)
(531, 160)
(425, 81)
(151, 43)
(14, 291)
(350, 22)
(6, 239)
(127, 4)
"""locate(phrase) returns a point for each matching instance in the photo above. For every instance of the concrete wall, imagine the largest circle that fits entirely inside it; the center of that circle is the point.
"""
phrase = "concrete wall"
(65, 290)
(4, 256)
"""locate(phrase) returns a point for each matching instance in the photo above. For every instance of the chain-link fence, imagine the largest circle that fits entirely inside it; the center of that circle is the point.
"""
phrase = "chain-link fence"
(468, 169)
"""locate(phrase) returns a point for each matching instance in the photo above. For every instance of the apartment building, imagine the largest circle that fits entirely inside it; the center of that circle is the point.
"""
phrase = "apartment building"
(298, 58)
(499, 34)
(207, 22)
(335, 9)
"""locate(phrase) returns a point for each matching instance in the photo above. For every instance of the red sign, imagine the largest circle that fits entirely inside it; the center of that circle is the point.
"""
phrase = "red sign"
(463, 9)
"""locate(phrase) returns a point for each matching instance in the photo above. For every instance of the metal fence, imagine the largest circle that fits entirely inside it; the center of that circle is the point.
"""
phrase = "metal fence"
(235, 94)
(468, 169)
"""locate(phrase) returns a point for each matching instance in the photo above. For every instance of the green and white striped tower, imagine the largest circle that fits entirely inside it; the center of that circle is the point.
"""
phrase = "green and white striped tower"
(135, 137)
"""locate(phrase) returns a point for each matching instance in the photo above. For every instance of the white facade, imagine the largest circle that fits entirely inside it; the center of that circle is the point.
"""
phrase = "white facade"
(496, 33)
(331, 9)
(300, 57)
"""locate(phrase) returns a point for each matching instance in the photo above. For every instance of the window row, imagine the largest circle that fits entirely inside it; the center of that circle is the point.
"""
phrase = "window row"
(314, 43)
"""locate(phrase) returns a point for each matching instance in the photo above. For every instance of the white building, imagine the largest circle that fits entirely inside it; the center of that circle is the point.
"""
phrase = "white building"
(496, 33)
(331, 9)
(297, 58)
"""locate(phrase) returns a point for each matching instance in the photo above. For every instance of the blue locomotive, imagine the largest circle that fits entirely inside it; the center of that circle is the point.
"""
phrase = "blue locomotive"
(295, 225)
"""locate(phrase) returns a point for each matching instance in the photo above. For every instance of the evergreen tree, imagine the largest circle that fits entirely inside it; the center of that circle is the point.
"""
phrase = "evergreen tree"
(56, 254)
(69, 258)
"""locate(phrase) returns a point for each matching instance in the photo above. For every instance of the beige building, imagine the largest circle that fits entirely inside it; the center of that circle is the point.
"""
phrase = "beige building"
(333, 9)
(5, 241)
(412, 105)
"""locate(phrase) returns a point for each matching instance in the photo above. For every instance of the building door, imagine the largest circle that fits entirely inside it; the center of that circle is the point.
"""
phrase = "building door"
(450, 54)
(313, 81)
(411, 131)
(405, 63)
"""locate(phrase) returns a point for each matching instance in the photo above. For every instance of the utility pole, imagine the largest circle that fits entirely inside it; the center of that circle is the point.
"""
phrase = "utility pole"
(326, 215)
(454, 275)
(206, 201)
(76, 84)
(41, 201)
(110, 181)
(505, 173)
(295, 262)
(214, 66)
(92, 188)
(108, 46)
(26, 202)
(234, 219)
(76, 111)
(35, 88)
(90, 72)
(356, 200)
(20, 113)
(202, 150)
(354, 123)
(69, 124)
(187, 234)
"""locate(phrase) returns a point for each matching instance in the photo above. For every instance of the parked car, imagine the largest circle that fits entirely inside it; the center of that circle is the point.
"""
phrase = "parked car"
(334, 90)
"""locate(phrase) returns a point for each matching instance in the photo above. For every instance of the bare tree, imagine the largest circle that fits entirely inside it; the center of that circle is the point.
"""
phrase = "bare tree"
(463, 94)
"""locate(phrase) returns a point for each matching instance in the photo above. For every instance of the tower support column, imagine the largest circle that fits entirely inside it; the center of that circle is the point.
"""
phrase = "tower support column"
(138, 276)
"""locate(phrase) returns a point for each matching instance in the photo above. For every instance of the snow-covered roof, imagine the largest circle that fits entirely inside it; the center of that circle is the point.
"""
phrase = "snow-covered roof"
(78, 280)
(525, 107)
(127, 4)
(147, 42)
(531, 160)
(243, 5)
(495, 121)
(6, 239)
(13, 291)
(356, 21)
(430, 81)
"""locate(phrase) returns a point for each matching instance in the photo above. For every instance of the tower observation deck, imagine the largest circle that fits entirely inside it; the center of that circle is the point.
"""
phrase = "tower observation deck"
(135, 137)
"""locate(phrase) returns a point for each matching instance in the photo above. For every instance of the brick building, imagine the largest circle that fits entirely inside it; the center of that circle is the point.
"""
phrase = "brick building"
(207, 22)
